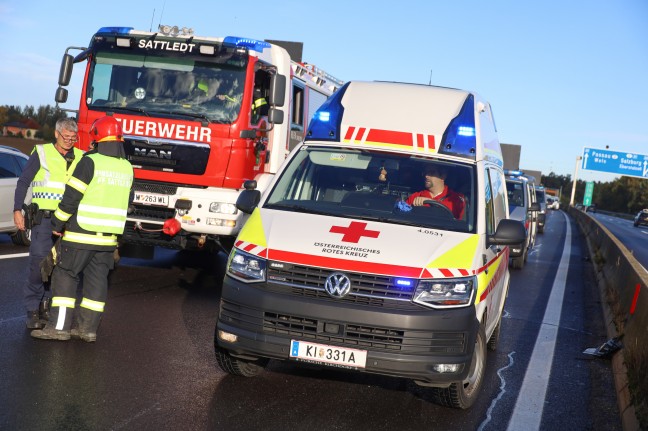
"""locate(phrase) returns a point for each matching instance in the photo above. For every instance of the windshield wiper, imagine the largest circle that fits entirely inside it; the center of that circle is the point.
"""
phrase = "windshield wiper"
(298, 208)
(191, 115)
(124, 108)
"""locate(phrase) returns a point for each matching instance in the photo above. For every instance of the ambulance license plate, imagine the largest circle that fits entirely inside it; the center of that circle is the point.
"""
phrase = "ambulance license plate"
(327, 355)
(151, 199)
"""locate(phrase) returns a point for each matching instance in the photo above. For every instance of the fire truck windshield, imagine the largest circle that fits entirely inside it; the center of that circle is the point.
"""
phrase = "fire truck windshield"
(165, 85)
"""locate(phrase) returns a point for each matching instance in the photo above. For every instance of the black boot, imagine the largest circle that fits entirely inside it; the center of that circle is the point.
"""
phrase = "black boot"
(44, 309)
(33, 320)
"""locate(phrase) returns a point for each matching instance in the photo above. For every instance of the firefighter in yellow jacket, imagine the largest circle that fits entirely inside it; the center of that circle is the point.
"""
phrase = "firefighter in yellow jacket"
(89, 218)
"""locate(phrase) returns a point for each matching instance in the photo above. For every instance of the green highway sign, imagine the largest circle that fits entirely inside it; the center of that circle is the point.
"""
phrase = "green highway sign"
(589, 189)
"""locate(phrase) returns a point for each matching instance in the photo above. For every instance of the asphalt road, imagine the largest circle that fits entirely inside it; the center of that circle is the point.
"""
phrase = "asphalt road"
(634, 238)
(153, 366)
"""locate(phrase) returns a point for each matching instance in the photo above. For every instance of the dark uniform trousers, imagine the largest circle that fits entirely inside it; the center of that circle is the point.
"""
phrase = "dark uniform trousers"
(95, 266)
(40, 246)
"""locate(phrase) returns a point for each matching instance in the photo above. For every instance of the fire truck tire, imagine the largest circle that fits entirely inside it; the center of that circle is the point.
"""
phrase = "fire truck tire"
(238, 367)
(462, 395)
(22, 237)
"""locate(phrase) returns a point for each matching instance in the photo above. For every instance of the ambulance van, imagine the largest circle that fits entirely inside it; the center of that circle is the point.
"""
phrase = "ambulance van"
(338, 266)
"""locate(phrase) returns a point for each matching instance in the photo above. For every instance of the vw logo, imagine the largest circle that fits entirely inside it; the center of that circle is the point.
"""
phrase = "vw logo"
(337, 285)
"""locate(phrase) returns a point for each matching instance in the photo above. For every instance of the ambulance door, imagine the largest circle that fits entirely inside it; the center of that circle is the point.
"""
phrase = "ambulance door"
(496, 211)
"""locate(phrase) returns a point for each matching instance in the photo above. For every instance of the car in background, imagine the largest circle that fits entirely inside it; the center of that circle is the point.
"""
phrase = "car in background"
(522, 207)
(590, 208)
(641, 218)
(12, 163)
(541, 199)
(553, 203)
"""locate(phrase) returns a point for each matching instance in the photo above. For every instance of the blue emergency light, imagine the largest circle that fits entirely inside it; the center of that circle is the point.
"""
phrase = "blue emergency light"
(253, 44)
(115, 30)
(406, 284)
(325, 125)
(459, 139)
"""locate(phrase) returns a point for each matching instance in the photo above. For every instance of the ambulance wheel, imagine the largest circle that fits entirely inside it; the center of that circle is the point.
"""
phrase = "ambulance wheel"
(462, 395)
(517, 262)
(237, 366)
(22, 237)
(493, 341)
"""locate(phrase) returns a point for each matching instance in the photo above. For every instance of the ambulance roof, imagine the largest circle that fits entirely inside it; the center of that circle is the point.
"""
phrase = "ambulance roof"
(416, 118)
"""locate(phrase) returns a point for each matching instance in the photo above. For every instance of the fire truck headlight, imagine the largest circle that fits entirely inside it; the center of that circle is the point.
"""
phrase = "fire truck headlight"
(246, 267)
(222, 208)
(445, 293)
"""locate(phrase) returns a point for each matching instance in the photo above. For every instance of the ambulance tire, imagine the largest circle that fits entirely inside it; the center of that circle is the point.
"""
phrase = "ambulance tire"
(462, 395)
(22, 237)
(493, 341)
(238, 367)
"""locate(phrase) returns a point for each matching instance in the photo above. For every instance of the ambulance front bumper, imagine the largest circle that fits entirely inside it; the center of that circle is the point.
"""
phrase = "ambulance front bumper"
(410, 343)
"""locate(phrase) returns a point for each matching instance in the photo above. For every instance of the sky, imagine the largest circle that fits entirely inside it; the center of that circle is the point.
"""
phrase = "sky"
(559, 75)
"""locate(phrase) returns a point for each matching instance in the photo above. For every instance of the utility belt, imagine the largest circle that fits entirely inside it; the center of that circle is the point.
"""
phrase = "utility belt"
(34, 216)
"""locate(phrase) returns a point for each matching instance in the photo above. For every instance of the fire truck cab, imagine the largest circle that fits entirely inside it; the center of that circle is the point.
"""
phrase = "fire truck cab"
(200, 116)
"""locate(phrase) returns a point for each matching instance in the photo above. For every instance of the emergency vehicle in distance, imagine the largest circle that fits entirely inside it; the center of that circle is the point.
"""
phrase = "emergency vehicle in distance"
(185, 105)
(523, 207)
(334, 267)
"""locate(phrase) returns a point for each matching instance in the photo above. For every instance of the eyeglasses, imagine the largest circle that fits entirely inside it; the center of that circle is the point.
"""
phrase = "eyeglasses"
(68, 138)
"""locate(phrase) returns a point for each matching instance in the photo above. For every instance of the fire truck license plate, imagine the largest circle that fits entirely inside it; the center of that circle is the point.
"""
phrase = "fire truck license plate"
(328, 355)
(151, 199)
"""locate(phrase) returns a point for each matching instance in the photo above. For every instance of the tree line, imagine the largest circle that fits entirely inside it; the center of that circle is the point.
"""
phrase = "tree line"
(626, 195)
(46, 117)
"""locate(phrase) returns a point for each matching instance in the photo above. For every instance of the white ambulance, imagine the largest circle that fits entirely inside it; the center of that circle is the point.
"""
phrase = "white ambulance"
(381, 245)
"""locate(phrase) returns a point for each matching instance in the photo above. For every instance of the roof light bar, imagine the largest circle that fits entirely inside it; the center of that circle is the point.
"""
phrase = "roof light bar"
(253, 44)
(325, 125)
(459, 139)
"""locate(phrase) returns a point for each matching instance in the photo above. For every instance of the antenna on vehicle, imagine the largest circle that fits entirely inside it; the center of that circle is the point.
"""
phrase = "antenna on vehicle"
(162, 13)
(152, 18)
(430, 83)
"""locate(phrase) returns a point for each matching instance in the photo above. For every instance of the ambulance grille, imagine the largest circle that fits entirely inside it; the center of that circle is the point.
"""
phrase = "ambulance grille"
(366, 289)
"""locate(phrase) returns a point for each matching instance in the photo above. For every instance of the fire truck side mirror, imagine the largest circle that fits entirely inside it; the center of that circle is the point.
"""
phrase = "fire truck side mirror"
(66, 70)
(275, 116)
(277, 96)
(61, 95)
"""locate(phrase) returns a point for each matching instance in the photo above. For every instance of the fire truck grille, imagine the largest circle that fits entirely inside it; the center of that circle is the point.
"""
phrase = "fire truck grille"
(163, 189)
(366, 289)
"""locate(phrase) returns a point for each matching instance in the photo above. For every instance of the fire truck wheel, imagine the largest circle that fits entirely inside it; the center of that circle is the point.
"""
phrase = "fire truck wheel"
(236, 366)
(462, 395)
(22, 237)
(517, 262)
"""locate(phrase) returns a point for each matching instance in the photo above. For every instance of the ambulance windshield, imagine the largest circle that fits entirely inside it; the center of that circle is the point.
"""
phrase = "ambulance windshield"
(164, 85)
(376, 185)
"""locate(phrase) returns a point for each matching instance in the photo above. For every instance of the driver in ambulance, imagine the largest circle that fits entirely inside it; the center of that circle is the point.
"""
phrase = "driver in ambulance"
(437, 190)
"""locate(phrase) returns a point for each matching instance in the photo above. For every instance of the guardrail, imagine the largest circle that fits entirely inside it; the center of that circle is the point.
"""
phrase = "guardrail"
(623, 283)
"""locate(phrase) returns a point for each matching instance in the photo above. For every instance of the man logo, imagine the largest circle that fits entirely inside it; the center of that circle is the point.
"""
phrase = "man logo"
(337, 285)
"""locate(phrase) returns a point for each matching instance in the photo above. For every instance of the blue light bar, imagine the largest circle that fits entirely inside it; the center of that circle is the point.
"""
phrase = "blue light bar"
(253, 44)
(325, 125)
(117, 30)
(459, 139)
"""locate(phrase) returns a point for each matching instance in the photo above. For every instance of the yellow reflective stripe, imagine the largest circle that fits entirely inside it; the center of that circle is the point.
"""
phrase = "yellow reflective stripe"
(252, 230)
(259, 102)
(102, 210)
(77, 184)
(84, 238)
(62, 215)
(93, 305)
(63, 301)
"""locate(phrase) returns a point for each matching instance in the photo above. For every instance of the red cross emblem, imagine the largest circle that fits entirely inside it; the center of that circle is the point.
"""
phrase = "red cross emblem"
(354, 232)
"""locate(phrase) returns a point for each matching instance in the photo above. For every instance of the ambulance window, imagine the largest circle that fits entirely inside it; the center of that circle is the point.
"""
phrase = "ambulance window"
(498, 190)
(488, 205)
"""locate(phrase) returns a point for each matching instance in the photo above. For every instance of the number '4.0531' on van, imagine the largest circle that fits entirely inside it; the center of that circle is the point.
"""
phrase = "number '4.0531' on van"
(381, 245)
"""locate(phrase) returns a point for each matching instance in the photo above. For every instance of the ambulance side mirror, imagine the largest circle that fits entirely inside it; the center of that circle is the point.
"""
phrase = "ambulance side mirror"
(249, 198)
(508, 232)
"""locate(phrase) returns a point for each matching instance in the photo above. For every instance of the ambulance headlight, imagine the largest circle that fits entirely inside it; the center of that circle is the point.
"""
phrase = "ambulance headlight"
(222, 208)
(246, 267)
(445, 293)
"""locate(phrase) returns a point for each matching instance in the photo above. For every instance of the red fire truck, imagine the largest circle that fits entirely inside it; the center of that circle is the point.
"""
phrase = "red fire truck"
(200, 116)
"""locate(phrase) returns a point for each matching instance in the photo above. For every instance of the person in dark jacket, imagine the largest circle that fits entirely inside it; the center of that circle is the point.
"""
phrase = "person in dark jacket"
(47, 170)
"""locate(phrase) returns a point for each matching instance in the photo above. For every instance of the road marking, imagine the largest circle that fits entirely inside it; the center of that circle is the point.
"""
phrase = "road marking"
(11, 256)
(531, 399)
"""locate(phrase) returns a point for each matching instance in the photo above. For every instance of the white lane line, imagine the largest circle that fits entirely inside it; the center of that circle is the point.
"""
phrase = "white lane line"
(11, 256)
(531, 399)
